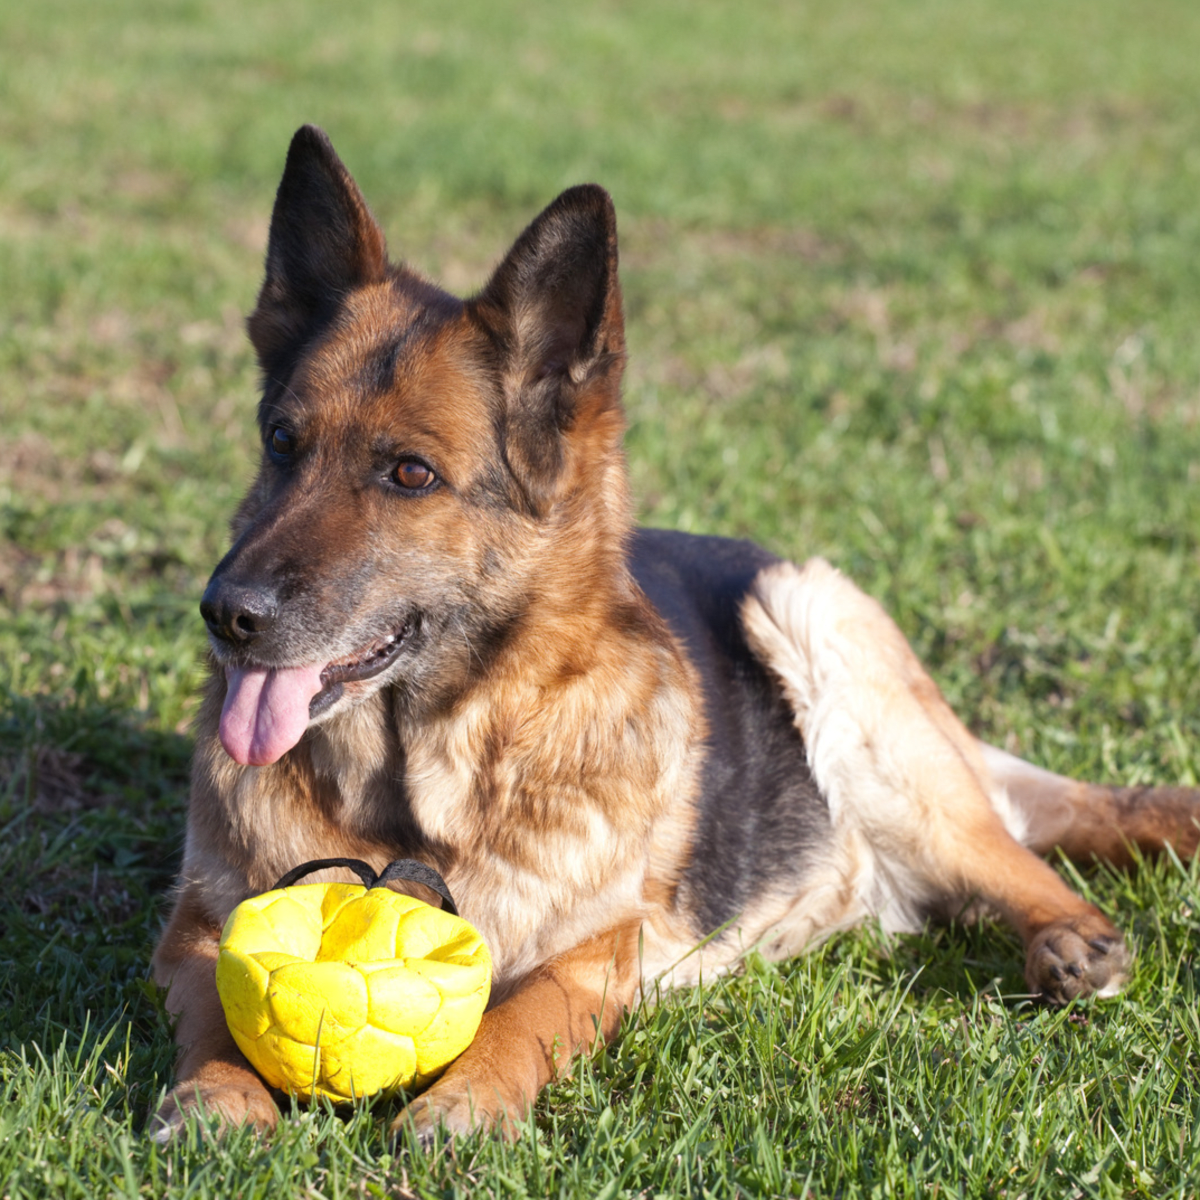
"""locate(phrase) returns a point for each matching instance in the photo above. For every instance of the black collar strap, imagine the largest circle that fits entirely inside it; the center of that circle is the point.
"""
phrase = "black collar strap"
(402, 868)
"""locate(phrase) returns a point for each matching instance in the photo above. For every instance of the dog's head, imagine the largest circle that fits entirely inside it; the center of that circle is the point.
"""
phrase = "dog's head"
(432, 469)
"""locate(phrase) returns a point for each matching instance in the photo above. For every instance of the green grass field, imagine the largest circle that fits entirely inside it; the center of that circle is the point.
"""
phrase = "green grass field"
(912, 284)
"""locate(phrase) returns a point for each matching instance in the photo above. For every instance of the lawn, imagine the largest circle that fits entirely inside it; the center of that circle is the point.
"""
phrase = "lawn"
(912, 284)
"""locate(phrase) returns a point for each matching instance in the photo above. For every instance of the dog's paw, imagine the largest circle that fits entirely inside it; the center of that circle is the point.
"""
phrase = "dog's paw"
(1071, 959)
(451, 1112)
(454, 1110)
(231, 1103)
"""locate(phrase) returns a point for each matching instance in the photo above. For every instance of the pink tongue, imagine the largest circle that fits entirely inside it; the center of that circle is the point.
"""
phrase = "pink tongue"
(266, 712)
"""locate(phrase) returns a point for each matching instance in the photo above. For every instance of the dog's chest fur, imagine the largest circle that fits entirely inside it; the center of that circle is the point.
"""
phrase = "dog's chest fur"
(660, 783)
(654, 789)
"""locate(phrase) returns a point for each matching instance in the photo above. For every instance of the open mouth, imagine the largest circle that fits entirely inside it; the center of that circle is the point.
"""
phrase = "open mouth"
(369, 661)
(267, 709)
(362, 664)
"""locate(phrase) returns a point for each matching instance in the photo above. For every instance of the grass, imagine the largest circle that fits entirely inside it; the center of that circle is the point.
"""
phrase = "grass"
(911, 285)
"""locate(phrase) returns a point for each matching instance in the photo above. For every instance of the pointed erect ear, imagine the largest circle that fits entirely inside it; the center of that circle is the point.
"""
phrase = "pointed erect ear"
(553, 310)
(323, 243)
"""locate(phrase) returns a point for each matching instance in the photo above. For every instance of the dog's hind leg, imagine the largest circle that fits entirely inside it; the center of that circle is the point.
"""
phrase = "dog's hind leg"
(1089, 821)
(904, 778)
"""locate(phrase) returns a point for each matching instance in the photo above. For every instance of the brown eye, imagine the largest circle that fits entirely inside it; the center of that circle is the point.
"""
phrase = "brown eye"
(413, 475)
(281, 443)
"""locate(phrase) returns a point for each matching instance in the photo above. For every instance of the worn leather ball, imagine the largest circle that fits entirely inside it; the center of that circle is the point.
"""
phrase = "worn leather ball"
(345, 991)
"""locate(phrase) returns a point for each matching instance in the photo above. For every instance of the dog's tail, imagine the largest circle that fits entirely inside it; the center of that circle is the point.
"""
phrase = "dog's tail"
(1088, 821)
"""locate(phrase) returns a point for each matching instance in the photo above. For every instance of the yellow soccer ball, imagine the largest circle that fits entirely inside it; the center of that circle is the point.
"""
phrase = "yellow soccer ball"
(345, 991)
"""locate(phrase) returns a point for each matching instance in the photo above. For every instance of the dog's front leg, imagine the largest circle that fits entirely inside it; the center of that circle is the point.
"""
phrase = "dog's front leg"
(565, 1008)
(211, 1073)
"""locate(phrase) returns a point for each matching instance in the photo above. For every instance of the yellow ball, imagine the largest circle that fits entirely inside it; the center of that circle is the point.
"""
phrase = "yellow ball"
(343, 991)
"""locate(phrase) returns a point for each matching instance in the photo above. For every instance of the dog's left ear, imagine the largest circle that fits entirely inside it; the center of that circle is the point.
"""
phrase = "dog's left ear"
(553, 309)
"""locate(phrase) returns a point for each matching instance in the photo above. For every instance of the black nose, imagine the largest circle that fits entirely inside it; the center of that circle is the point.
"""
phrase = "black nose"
(236, 613)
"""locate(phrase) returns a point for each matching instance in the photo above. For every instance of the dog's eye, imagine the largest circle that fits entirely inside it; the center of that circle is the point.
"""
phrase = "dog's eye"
(280, 442)
(413, 475)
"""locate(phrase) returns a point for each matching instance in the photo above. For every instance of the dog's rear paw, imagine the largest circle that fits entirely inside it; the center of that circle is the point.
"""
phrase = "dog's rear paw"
(231, 1103)
(1082, 957)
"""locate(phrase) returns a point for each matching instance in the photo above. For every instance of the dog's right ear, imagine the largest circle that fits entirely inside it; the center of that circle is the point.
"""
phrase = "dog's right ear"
(324, 242)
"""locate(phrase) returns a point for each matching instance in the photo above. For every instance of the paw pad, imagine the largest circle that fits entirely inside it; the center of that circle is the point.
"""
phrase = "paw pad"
(1067, 962)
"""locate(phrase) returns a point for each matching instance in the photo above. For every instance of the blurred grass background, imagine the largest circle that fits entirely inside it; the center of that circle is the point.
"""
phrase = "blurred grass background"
(914, 285)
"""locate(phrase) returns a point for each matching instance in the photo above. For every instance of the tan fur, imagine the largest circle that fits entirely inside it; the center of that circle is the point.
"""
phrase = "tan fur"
(554, 775)
(1087, 821)
(908, 786)
(548, 817)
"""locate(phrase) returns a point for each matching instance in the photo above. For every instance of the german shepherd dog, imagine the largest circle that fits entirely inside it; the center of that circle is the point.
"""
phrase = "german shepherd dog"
(632, 754)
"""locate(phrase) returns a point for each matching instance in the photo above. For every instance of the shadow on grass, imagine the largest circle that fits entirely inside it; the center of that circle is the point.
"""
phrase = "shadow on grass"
(91, 829)
(959, 960)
